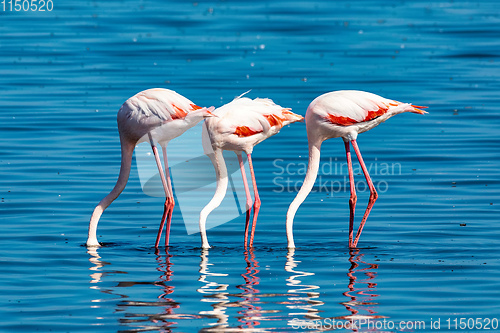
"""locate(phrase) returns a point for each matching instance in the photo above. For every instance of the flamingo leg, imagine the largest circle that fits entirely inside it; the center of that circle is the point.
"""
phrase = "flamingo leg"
(169, 201)
(256, 204)
(373, 192)
(353, 198)
(164, 183)
(248, 196)
(162, 223)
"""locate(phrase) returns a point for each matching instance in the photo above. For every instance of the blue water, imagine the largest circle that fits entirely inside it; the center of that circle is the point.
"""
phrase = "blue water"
(429, 251)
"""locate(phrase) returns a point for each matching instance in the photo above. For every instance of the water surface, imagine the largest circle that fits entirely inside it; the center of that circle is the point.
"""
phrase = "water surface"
(429, 249)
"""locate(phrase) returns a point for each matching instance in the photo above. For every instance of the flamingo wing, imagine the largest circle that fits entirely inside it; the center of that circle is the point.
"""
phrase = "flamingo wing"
(246, 117)
(163, 104)
(348, 107)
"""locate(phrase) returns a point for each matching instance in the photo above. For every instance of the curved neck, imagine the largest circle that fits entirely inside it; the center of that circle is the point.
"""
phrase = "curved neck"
(312, 173)
(220, 192)
(127, 150)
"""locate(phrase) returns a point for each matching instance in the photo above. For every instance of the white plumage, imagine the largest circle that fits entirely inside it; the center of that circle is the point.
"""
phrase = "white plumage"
(243, 123)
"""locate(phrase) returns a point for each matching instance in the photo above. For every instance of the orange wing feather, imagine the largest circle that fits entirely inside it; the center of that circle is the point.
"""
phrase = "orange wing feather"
(342, 121)
(375, 114)
(346, 121)
(243, 131)
(274, 120)
(179, 113)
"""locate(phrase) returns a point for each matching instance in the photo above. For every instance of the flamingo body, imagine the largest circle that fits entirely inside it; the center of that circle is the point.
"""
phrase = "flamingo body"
(162, 112)
(347, 113)
(239, 126)
(151, 115)
(243, 123)
(344, 114)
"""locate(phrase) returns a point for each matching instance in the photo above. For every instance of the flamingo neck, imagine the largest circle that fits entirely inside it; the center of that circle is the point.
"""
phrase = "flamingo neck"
(312, 173)
(127, 150)
(220, 192)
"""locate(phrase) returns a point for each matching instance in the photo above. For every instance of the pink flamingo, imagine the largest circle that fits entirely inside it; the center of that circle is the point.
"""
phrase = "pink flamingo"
(239, 126)
(344, 114)
(153, 114)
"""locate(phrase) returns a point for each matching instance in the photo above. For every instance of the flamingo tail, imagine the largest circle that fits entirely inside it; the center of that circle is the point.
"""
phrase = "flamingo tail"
(418, 109)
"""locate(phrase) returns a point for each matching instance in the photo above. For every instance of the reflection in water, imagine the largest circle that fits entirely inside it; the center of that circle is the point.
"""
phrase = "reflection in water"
(305, 303)
(167, 318)
(302, 300)
(141, 321)
(214, 293)
(97, 274)
(95, 259)
(361, 292)
(250, 314)
(249, 304)
(166, 302)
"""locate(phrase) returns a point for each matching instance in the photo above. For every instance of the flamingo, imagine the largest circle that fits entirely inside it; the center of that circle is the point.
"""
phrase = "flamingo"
(345, 114)
(239, 126)
(151, 115)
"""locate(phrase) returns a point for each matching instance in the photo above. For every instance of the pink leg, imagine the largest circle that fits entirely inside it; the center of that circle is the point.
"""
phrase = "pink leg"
(170, 199)
(165, 186)
(353, 198)
(247, 194)
(373, 192)
(256, 205)
(162, 223)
